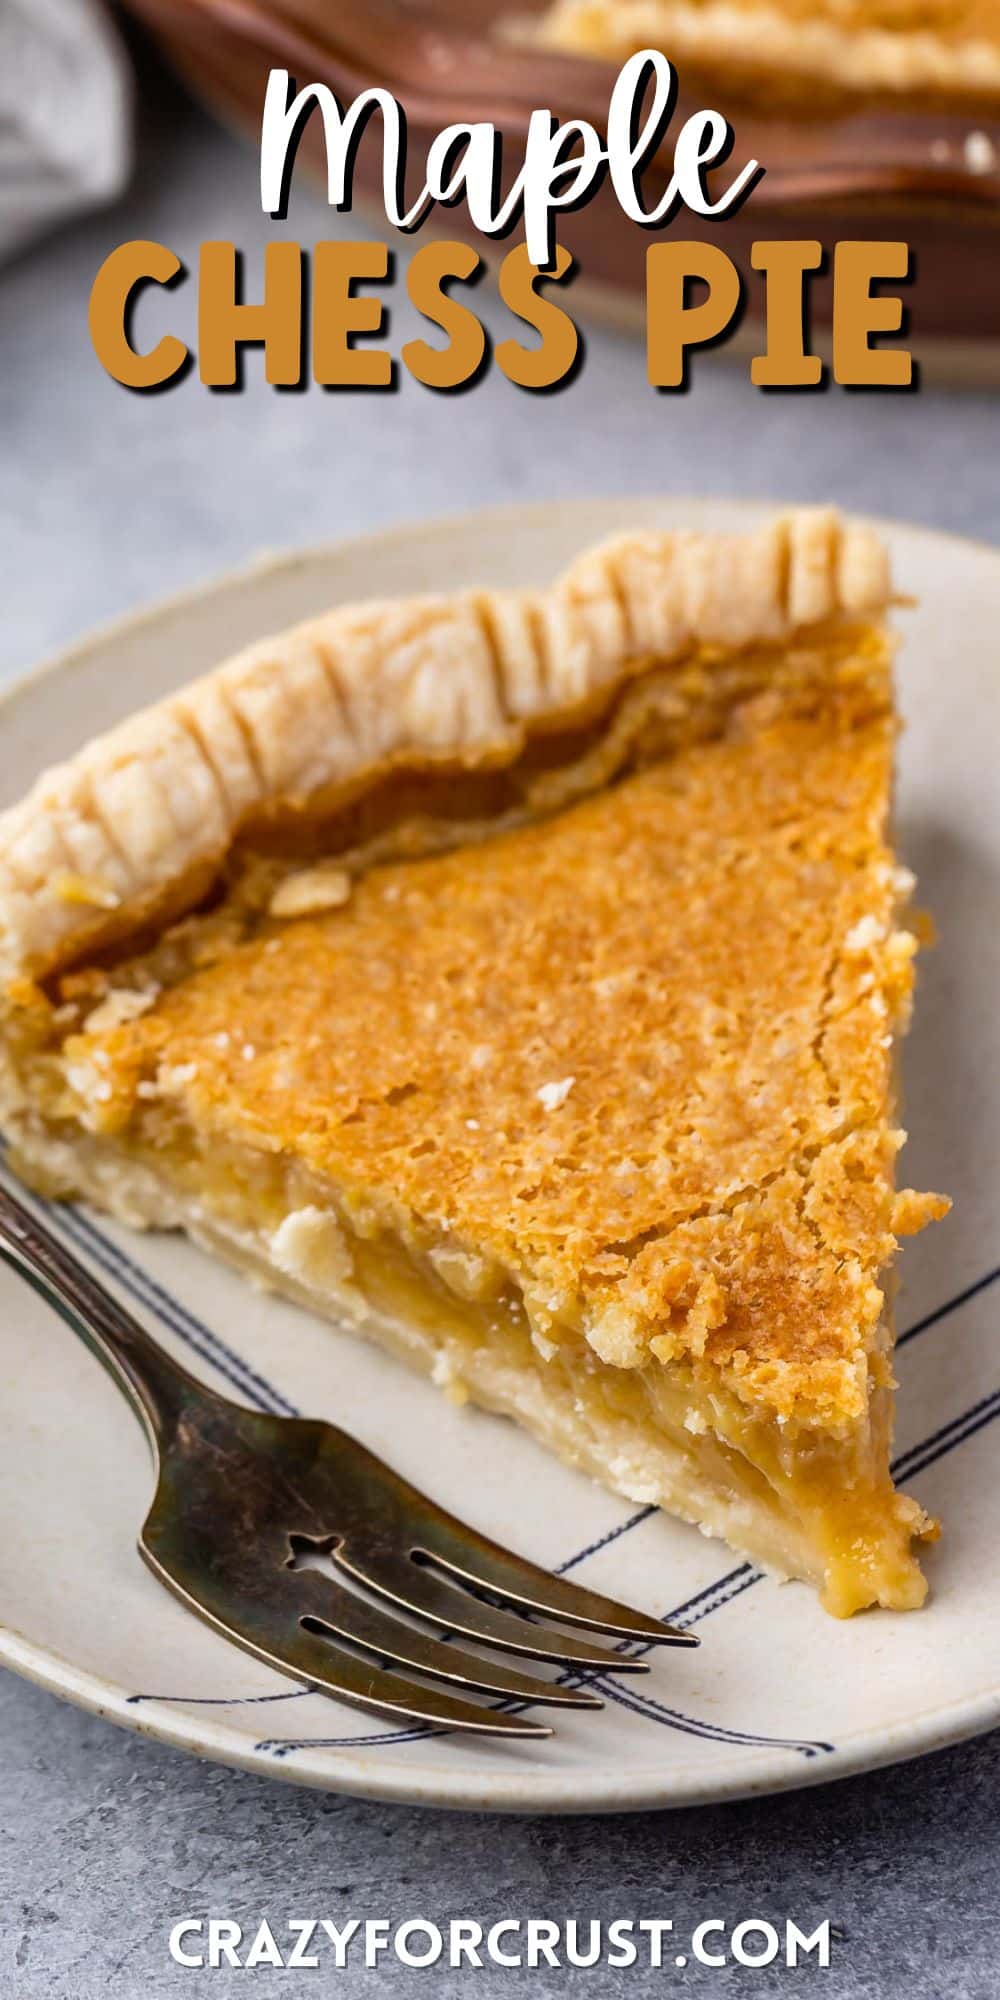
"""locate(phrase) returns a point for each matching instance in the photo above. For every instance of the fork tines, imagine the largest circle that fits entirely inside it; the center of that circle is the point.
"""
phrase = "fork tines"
(470, 1588)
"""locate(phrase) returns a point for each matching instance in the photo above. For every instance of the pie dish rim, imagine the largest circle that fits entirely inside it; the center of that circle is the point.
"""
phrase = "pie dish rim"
(905, 63)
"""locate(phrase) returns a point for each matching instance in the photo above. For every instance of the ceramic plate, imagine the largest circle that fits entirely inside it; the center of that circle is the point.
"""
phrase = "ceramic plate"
(778, 1694)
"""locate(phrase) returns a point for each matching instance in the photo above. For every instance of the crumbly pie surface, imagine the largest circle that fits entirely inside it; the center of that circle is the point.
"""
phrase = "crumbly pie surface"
(934, 49)
(536, 1011)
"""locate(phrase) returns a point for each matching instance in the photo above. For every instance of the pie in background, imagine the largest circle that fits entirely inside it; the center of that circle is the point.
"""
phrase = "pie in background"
(800, 52)
(518, 977)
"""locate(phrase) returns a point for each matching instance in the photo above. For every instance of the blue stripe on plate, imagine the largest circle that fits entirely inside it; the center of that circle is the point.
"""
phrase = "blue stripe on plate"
(952, 1305)
(148, 1291)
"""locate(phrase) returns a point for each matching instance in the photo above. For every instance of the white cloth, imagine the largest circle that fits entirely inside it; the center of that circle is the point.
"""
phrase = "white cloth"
(65, 114)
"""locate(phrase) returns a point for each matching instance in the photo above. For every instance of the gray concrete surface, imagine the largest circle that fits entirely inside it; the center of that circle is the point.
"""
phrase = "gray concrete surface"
(105, 500)
(106, 1841)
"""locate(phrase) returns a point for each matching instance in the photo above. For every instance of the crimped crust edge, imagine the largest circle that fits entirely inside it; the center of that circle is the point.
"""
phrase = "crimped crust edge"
(143, 816)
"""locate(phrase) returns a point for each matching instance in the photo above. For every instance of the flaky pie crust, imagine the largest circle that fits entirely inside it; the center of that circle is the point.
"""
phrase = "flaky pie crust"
(142, 819)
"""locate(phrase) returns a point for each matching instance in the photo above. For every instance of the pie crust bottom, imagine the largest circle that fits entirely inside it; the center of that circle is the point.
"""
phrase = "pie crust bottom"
(820, 1508)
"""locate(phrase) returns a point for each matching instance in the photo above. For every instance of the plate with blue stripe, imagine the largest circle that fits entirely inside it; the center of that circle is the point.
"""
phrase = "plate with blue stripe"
(778, 1694)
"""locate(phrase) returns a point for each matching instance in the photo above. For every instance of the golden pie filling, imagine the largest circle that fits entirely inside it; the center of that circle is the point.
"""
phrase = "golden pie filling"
(591, 1116)
(806, 56)
(951, 21)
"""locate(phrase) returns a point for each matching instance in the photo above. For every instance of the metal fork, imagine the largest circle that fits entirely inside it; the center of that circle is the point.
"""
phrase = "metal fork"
(249, 1506)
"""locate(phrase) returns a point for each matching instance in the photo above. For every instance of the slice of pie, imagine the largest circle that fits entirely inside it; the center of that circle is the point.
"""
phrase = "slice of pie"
(518, 977)
(800, 50)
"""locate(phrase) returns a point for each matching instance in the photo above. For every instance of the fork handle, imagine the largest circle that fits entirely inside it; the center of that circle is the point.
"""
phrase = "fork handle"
(158, 1388)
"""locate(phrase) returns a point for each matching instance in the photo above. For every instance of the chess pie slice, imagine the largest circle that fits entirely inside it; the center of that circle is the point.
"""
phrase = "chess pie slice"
(518, 977)
(804, 51)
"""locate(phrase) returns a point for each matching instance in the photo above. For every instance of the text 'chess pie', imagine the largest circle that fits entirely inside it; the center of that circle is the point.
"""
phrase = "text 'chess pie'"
(518, 976)
(805, 51)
